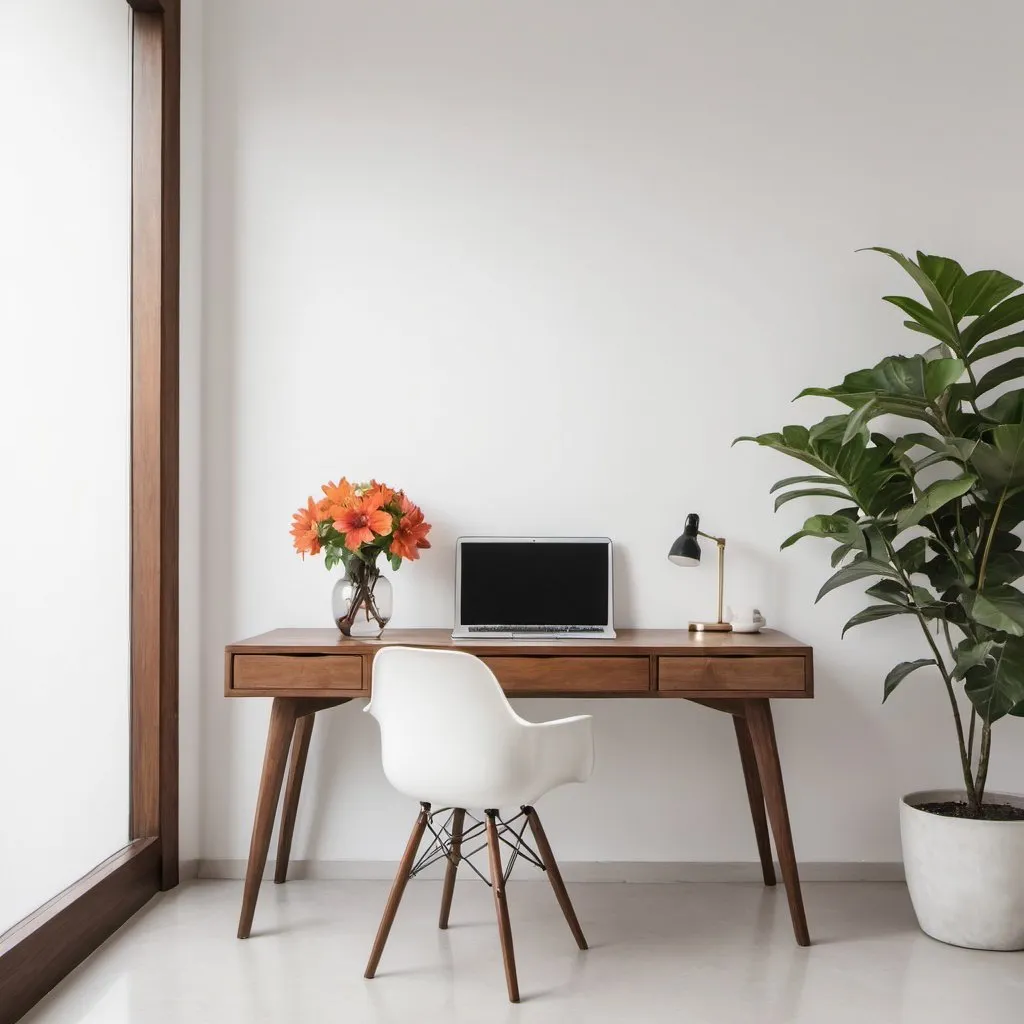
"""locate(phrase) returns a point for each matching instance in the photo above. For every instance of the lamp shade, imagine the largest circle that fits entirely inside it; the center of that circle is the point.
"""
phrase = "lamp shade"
(686, 549)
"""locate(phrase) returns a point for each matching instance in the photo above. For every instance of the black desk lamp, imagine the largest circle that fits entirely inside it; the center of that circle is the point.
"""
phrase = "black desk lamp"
(686, 552)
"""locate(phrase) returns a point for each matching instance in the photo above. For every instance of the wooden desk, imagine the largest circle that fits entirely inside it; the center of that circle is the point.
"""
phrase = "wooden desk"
(309, 670)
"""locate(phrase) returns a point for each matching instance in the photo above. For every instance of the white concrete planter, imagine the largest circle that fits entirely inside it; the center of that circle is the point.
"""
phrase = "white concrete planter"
(966, 878)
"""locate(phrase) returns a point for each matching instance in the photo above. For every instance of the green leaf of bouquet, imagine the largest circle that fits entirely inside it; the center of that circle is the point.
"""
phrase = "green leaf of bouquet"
(900, 672)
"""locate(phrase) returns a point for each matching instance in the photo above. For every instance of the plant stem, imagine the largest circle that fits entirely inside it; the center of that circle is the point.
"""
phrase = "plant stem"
(983, 758)
(989, 538)
(965, 763)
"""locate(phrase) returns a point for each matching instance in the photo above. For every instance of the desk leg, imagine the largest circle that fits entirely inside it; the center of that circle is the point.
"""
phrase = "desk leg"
(755, 795)
(282, 725)
(290, 807)
(766, 752)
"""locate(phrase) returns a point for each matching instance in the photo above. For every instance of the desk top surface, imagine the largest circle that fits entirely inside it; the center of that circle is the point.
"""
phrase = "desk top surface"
(628, 641)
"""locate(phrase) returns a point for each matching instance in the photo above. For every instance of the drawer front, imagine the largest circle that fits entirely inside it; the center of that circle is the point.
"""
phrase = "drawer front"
(723, 674)
(279, 672)
(558, 674)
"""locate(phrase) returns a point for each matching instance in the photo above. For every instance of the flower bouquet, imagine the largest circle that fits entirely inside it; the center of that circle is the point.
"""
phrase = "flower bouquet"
(354, 524)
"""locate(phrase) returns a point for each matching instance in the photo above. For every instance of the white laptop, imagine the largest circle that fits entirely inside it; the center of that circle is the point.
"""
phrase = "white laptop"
(533, 588)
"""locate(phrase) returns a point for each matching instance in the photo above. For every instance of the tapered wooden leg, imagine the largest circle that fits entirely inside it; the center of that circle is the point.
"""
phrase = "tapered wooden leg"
(555, 876)
(397, 889)
(458, 820)
(282, 725)
(296, 768)
(756, 797)
(501, 907)
(766, 752)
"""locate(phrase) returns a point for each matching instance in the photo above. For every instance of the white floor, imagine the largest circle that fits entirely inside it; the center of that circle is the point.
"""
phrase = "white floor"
(686, 954)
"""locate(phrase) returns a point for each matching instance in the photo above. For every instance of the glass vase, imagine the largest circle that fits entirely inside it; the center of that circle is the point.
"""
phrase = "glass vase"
(362, 601)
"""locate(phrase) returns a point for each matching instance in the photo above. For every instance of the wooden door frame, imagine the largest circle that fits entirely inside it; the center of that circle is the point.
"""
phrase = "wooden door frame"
(40, 950)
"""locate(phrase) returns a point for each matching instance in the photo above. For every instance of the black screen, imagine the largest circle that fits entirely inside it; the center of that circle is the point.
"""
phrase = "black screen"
(535, 583)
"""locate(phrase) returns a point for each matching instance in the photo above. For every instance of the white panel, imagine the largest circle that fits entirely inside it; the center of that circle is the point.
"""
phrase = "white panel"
(64, 444)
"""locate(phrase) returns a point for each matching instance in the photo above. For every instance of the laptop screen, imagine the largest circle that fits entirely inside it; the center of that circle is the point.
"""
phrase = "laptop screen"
(534, 583)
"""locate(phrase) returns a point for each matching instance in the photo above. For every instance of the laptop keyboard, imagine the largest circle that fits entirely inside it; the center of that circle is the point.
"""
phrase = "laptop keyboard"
(536, 629)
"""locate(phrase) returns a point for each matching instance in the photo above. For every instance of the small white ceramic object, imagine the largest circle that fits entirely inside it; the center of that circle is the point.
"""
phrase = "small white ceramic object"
(964, 876)
(746, 619)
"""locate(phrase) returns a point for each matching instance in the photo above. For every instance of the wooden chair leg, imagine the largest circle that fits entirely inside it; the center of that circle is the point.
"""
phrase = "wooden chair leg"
(766, 751)
(501, 907)
(290, 807)
(755, 796)
(458, 821)
(279, 737)
(397, 889)
(555, 876)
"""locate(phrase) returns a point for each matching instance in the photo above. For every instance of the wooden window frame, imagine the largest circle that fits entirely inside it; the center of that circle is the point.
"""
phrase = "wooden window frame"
(40, 950)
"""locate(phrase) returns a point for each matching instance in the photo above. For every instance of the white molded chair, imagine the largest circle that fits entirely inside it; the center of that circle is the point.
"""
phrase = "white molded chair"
(450, 739)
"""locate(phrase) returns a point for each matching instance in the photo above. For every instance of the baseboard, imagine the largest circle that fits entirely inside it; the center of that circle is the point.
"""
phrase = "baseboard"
(577, 871)
(188, 869)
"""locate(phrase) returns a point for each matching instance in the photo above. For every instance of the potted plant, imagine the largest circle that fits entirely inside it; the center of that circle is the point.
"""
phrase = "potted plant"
(354, 524)
(929, 515)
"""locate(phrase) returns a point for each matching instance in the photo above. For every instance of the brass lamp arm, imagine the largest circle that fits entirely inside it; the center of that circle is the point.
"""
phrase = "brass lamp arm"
(720, 541)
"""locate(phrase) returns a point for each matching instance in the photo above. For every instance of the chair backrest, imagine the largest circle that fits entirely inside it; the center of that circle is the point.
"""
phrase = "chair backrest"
(443, 718)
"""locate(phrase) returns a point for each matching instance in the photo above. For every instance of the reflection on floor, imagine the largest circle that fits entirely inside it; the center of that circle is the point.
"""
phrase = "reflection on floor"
(685, 954)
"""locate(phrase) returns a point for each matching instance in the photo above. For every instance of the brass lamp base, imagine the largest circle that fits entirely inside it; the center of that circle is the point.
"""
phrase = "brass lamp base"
(710, 627)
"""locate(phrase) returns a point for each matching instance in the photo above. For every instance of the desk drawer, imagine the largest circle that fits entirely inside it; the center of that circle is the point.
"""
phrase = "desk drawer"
(560, 674)
(731, 674)
(333, 672)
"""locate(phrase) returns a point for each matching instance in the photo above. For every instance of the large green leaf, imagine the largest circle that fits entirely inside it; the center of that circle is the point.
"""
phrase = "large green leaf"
(974, 294)
(945, 273)
(912, 555)
(1009, 312)
(922, 319)
(1012, 369)
(812, 492)
(1000, 464)
(997, 686)
(931, 292)
(1004, 567)
(998, 607)
(900, 672)
(997, 346)
(835, 527)
(859, 569)
(790, 480)
(873, 613)
(933, 498)
(872, 477)
(970, 655)
(1008, 408)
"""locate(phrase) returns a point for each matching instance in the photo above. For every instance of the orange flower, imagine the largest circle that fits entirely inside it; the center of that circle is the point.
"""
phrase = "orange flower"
(304, 530)
(339, 494)
(361, 520)
(411, 532)
(385, 493)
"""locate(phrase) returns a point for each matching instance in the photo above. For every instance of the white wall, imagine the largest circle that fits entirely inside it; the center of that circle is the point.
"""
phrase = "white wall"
(190, 512)
(64, 445)
(538, 264)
